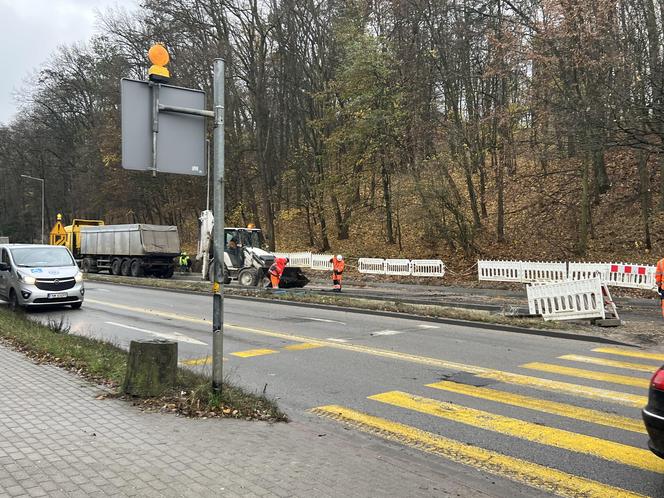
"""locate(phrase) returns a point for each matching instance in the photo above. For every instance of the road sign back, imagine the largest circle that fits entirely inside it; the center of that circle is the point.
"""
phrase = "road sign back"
(181, 137)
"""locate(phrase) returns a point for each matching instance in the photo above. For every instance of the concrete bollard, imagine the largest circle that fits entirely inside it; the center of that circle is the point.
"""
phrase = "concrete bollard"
(151, 367)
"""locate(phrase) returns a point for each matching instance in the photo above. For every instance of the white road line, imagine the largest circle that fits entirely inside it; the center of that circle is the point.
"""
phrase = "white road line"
(323, 320)
(172, 336)
(336, 340)
(428, 326)
(387, 332)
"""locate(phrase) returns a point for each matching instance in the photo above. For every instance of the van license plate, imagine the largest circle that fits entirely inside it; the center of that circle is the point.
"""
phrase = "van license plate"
(57, 295)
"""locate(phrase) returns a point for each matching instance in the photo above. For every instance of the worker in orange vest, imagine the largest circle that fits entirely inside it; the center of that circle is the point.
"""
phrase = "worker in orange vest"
(659, 280)
(338, 266)
(276, 270)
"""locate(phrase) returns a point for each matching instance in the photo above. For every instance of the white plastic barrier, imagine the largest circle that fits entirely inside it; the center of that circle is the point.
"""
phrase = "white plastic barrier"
(397, 267)
(633, 276)
(299, 259)
(500, 271)
(613, 274)
(582, 271)
(373, 266)
(321, 262)
(427, 268)
(570, 300)
(539, 271)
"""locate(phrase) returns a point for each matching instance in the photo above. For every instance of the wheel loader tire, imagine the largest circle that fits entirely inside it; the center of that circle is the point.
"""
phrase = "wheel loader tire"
(125, 267)
(115, 266)
(248, 277)
(136, 268)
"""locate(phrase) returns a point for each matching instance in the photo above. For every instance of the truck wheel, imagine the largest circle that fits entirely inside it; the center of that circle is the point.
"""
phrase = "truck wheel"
(248, 277)
(115, 266)
(86, 265)
(168, 272)
(136, 268)
(125, 267)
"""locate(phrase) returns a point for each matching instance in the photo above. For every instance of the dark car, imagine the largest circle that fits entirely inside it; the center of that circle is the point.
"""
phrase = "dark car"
(653, 413)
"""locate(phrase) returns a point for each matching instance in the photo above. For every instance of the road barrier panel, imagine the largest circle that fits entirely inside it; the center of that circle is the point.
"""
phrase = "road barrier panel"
(539, 271)
(400, 267)
(321, 261)
(427, 268)
(569, 300)
(371, 266)
(500, 271)
(632, 276)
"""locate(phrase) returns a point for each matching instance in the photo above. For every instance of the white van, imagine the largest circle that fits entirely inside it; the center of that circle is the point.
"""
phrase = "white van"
(39, 275)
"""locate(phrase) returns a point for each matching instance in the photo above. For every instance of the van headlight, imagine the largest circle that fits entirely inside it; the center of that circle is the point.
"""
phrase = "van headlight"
(27, 279)
(78, 277)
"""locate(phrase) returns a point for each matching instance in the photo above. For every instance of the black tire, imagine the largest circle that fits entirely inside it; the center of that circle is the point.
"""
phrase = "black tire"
(248, 277)
(14, 305)
(115, 266)
(76, 306)
(167, 272)
(136, 268)
(125, 267)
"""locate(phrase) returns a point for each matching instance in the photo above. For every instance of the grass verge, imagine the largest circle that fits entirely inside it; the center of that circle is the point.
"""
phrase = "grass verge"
(106, 364)
(344, 301)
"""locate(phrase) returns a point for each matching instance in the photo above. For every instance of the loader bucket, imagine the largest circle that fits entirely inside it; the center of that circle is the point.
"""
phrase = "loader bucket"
(293, 278)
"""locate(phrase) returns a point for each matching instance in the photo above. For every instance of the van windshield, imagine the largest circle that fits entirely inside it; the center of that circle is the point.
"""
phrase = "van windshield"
(31, 257)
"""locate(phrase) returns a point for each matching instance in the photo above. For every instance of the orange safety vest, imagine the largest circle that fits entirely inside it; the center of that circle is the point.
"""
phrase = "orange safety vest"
(659, 272)
(337, 267)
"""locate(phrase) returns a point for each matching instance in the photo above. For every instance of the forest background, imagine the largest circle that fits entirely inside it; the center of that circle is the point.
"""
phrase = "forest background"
(452, 129)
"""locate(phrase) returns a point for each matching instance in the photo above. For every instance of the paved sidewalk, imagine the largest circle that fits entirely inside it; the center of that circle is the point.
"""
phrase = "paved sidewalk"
(57, 440)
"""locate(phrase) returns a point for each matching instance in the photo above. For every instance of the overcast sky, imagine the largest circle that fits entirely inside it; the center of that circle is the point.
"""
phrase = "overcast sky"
(30, 30)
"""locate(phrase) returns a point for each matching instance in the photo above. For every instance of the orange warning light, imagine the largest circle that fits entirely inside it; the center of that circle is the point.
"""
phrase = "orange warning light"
(159, 57)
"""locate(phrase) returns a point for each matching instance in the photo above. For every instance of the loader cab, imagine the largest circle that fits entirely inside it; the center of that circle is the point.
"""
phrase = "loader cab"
(245, 238)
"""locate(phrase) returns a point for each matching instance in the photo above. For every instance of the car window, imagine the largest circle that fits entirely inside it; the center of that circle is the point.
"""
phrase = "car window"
(4, 256)
(32, 257)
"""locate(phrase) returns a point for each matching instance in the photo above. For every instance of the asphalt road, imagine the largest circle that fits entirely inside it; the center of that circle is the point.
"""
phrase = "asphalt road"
(433, 394)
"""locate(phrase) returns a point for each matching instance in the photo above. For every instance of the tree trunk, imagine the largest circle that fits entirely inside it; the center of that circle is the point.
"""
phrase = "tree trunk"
(387, 197)
(644, 194)
(584, 222)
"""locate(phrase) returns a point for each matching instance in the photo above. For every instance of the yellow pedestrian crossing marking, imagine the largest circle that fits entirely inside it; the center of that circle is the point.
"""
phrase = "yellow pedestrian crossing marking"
(559, 438)
(595, 393)
(588, 374)
(609, 363)
(633, 354)
(552, 407)
(532, 474)
(199, 361)
(303, 346)
(254, 352)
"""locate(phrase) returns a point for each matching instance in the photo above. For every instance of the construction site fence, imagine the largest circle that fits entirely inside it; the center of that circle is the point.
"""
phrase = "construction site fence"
(633, 276)
(568, 300)
(403, 267)
(372, 266)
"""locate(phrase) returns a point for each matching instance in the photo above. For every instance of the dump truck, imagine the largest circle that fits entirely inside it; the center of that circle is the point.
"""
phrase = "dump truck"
(130, 250)
(248, 262)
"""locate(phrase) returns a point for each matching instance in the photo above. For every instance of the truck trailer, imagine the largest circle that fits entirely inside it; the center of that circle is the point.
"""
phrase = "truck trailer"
(130, 250)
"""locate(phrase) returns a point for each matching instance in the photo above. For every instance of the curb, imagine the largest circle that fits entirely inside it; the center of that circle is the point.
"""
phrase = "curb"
(396, 314)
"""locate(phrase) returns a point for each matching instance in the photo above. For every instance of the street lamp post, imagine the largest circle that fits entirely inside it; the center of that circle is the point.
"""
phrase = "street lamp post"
(42, 202)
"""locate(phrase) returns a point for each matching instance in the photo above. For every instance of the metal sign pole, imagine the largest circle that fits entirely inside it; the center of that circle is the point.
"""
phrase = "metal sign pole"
(218, 186)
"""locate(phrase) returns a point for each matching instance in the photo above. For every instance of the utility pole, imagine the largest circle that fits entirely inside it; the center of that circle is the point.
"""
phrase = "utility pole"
(219, 223)
(42, 202)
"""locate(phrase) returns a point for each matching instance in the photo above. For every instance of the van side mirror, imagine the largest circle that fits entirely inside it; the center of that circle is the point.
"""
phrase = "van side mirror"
(4, 267)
